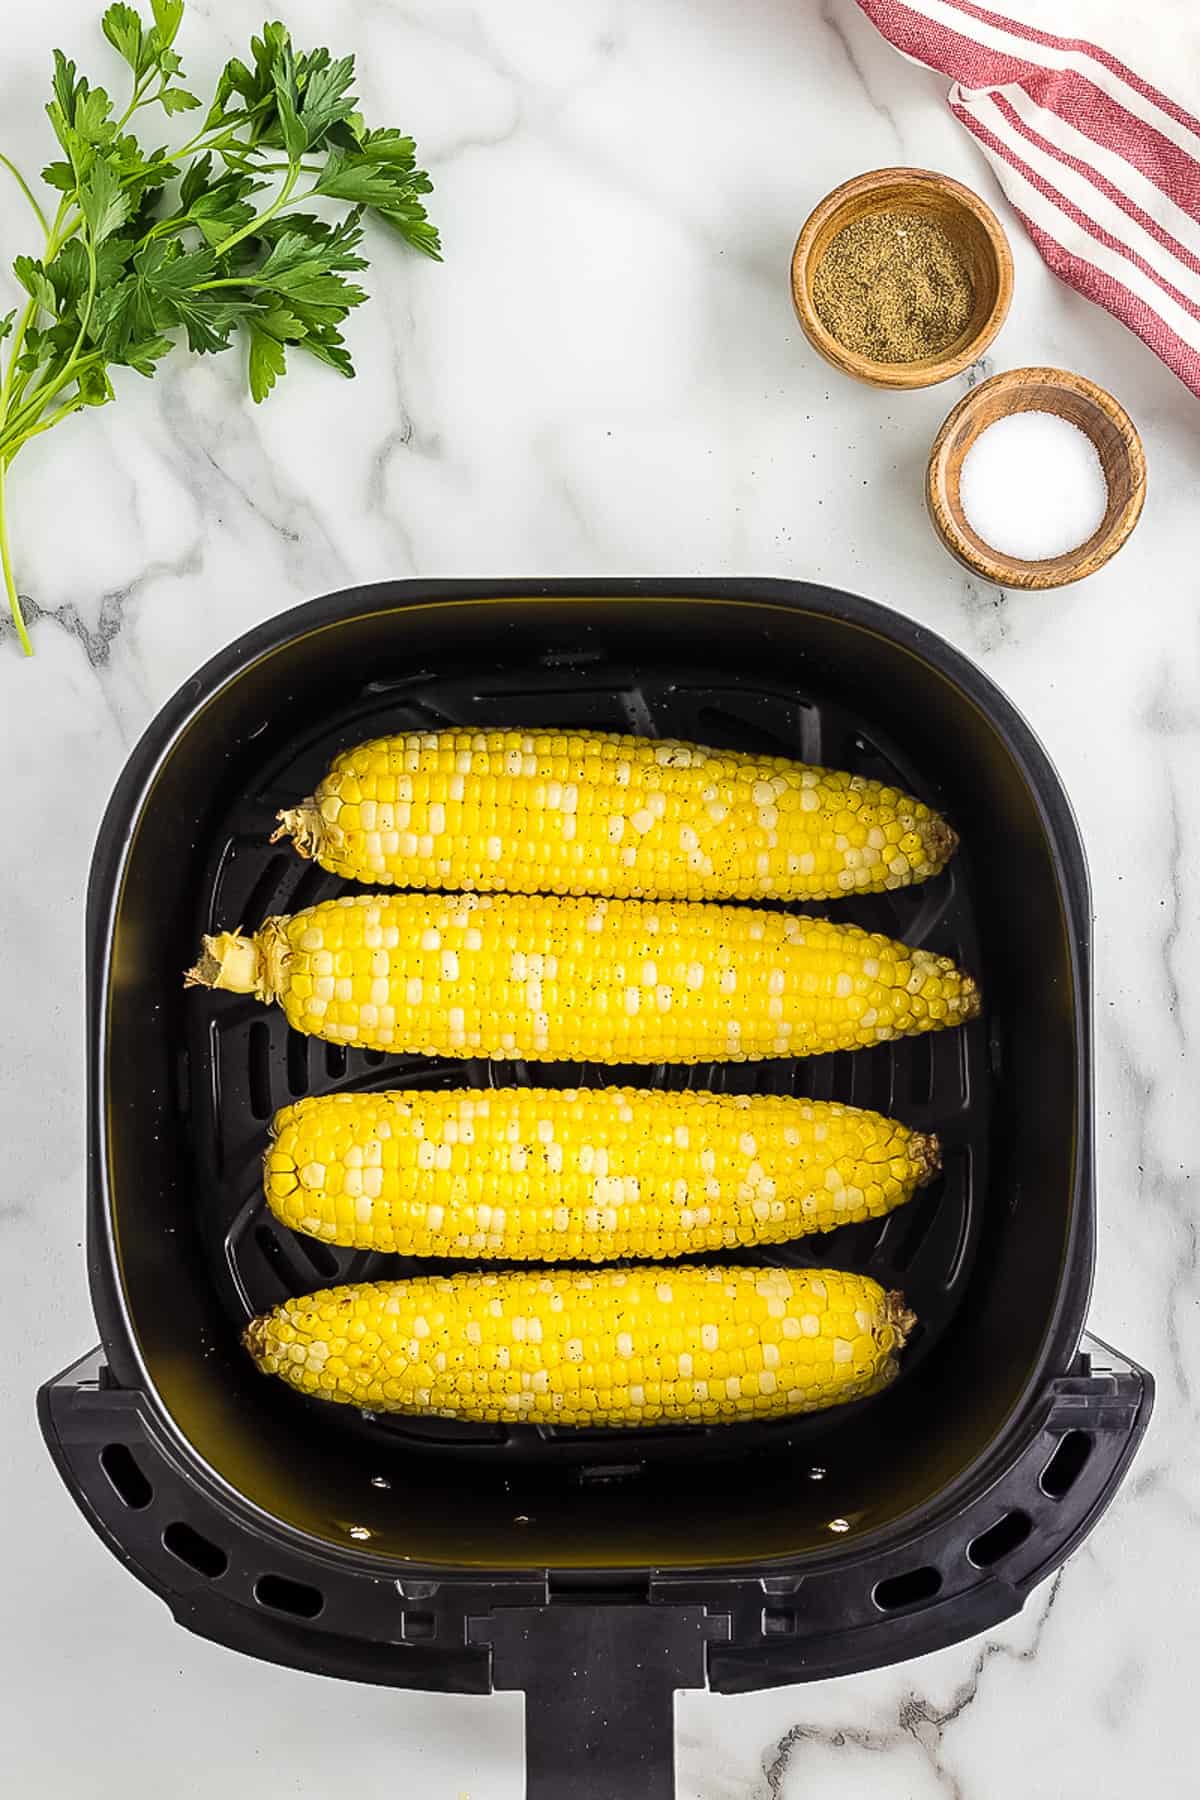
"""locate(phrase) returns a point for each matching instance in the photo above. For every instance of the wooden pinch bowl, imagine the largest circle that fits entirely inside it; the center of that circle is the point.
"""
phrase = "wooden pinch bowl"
(1071, 397)
(972, 228)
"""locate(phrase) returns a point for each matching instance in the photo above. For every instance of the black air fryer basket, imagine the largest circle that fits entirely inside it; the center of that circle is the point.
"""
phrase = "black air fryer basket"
(598, 1571)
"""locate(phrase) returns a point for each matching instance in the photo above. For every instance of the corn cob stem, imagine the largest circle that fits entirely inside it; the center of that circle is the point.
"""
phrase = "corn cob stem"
(599, 813)
(304, 825)
(607, 980)
(615, 1347)
(593, 1175)
(235, 964)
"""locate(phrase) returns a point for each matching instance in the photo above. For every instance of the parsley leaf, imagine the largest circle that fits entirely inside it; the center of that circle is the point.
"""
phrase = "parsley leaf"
(381, 175)
(297, 255)
(103, 202)
(32, 277)
(171, 282)
(177, 100)
(123, 29)
(63, 84)
(409, 218)
(358, 179)
(59, 175)
(94, 387)
(168, 268)
(268, 359)
(168, 16)
(292, 130)
(327, 344)
(144, 353)
(68, 273)
(326, 97)
(390, 147)
(196, 181)
(93, 123)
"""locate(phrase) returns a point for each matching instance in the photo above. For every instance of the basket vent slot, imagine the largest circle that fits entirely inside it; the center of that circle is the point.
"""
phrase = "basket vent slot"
(920, 1070)
(198, 1552)
(297, 1063)
(319, 1255)
(1066, 1465)
(909, 1589)
(1000, 1539)
(842, 1066)
(131, 1485)
(916, 1223)
(272, 1249)
(255, 909)
(286, 1596)
(259, 1069)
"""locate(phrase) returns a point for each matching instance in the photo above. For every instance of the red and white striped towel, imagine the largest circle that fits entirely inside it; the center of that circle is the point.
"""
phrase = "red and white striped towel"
(1103, 167)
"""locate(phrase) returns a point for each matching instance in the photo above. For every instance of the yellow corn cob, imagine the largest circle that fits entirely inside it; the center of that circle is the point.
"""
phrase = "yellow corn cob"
(596, 813)
(594, 1175)
(505, 975)
(617, 1347)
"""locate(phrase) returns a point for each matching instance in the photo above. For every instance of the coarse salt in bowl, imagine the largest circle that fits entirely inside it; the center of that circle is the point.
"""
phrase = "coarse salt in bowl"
(1036, 478)
(1032, 486)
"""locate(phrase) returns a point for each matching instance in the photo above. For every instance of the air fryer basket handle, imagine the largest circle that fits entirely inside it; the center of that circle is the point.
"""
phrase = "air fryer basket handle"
(599, 1680)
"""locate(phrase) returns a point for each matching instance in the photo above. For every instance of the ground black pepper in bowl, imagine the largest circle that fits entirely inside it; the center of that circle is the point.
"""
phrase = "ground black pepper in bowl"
(891, 286)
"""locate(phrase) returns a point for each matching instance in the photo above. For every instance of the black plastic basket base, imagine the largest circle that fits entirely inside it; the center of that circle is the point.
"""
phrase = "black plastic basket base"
(600, 1665)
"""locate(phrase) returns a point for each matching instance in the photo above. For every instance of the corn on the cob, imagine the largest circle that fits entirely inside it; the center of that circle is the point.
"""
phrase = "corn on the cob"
(607, 980)
(594, 1175)
(615, 1347)
(596, 813)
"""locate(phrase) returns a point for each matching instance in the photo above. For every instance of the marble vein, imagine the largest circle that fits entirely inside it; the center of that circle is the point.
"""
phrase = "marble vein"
(840, 21)
(917, 1719)
(98, 638)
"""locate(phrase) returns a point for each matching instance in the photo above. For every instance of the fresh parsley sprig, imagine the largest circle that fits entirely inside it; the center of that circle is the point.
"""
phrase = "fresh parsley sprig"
(214, 240)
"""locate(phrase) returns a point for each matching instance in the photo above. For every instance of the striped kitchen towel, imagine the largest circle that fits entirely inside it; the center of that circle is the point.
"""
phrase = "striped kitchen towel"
(1102, 165)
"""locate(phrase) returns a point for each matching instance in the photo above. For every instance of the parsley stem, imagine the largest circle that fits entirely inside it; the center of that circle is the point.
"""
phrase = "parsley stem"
(224, 127)
(223, 281)
(250, 166)
(26, 190)
(74, 404)
(139, 88)
(256, 224)
(18, 340)
(14, 599)
(14, 382)
(89, 300)
(13, 432)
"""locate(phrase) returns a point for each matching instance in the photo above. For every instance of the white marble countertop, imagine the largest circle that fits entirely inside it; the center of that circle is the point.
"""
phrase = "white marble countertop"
(604, 378)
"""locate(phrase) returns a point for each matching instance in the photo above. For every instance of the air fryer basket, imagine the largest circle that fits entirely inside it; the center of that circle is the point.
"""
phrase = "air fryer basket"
(437, 1554)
